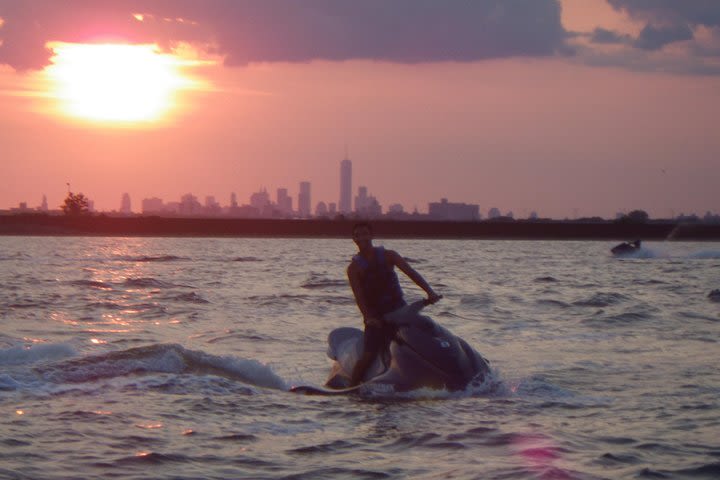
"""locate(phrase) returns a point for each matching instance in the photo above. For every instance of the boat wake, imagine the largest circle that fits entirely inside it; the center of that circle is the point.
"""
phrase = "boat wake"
(54, 368)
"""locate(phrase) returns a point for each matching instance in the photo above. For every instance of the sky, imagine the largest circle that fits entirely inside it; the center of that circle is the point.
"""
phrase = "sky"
(567, 108)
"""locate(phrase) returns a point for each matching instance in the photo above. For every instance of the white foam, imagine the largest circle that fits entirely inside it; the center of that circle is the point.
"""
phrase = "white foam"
(705, 255)
(22, 355)
(247, 370)
(8, 383)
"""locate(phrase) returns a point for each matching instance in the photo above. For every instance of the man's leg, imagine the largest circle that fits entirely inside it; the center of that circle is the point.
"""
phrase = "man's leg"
(361, 367)
(372, 341)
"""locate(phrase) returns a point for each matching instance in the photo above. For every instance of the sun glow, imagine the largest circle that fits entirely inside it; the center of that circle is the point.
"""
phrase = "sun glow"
(116, 82)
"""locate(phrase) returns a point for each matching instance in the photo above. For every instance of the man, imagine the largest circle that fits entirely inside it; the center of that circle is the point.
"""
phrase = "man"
(377, 292)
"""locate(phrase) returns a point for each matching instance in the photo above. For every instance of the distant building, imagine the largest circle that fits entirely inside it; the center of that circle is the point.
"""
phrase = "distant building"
(445, 210)
(233, 200)
(21, 208)
(260, 200)
(361, 199)
(304, 200)
(367, 206)
(396, 208)
(172, 207)
(284, 202)
(397, 212)
(332, 209)
(125, 206)
(345, 204)
(43, 205)
(212, 207)
(189, 205)
(321, 210)
(152, 205)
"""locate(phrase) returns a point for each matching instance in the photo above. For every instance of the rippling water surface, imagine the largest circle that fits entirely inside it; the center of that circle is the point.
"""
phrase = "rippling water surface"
(171, 358)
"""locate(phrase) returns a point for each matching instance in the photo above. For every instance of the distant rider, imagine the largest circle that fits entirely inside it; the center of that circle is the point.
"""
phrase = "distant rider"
(377, 292)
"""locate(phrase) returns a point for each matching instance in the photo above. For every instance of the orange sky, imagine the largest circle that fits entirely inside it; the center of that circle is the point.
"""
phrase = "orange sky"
(609, 128)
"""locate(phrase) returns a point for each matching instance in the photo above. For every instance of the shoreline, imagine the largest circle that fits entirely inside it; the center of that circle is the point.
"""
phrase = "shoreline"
(151, 226)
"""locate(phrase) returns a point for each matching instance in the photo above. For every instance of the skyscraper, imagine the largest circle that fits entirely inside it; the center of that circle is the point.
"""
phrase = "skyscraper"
(284, 201)
(345, 204)
(304, 200)
(125, 207)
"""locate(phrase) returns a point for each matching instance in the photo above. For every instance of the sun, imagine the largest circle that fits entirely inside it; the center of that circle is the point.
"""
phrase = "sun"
(117, 83)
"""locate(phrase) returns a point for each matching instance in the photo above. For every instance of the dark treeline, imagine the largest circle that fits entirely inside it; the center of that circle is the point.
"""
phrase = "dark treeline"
(101, 225)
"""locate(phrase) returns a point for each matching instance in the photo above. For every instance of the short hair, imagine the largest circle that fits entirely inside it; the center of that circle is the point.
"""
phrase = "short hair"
(362, 225)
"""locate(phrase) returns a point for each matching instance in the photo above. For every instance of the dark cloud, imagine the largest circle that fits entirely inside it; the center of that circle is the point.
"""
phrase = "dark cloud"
(671, 12)
(245, 31)
(602, 35)
(669, 21)
(654, 38)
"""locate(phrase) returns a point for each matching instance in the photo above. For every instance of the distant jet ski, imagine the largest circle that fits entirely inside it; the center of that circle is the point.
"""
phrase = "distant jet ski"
(422, 354)
(626, 248)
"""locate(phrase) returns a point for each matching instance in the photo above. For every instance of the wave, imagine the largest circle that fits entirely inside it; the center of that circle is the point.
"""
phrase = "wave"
(23, 355)
(709, 470)
(190, 297)
(479, 300)
(492, 385)
(246, 259)
(321, 281)
(149, 282)
(91, 284)
(625, 318)
(539, 389)
(551, 302)
(705, 254)
(602, 300)
(650, 253)
(140, 282)
(146, 258)
(160, 358)
(15, 256)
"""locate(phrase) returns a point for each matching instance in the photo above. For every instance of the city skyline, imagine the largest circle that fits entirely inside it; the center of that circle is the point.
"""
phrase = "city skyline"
(567, 107)
(260, 204)
(362, 205)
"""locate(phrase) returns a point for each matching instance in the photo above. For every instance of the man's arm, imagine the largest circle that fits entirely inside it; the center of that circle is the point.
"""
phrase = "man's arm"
(405, 267)
(353, 274)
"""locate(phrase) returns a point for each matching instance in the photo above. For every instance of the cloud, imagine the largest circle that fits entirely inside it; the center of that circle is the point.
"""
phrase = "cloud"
(247, 31)
(669, 21)
(654, 38)
(675, 36)
(602, 35)
(671, 12)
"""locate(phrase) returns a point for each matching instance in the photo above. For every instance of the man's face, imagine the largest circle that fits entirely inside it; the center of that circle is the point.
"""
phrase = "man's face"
(362, 237)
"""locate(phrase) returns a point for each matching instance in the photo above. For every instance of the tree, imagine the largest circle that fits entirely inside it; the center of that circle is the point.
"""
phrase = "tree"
(636, 216)
(75, 204)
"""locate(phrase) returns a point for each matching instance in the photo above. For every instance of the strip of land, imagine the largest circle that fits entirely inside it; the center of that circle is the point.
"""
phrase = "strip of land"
(100, 225)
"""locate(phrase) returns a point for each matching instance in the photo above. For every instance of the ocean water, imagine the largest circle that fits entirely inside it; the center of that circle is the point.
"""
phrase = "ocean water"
(172, 358)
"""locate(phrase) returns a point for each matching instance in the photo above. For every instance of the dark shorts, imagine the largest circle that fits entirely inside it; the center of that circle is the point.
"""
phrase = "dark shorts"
(377, 339)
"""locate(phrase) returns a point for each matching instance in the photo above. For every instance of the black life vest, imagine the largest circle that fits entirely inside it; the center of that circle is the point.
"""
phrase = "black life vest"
(380, 283)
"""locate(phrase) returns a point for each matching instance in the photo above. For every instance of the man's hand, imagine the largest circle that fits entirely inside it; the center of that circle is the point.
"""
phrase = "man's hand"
(433, 298)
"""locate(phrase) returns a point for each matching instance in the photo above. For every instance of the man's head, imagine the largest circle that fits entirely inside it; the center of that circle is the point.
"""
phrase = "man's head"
(362, 235)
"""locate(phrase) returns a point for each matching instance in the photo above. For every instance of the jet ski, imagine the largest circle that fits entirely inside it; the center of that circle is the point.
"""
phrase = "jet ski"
(422, 354)
(626, 248)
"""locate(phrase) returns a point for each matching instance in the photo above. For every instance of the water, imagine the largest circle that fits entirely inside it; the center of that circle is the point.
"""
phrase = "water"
(171, 358)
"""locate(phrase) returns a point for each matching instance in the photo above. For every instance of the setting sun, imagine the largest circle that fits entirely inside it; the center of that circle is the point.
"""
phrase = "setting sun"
(115, 82)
